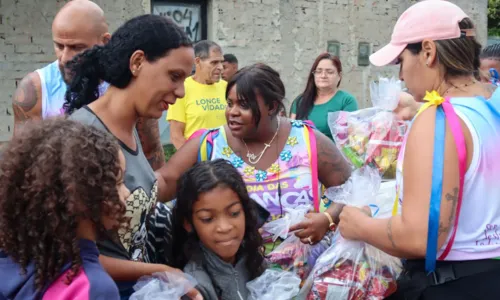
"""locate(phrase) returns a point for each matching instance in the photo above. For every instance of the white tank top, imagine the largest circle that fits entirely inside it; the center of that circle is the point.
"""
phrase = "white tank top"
(54, 90)
(478, 232)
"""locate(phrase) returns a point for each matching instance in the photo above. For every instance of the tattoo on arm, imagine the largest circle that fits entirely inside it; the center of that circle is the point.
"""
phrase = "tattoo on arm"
(149, 134)
(25, 99)
(389, 233)
(445, 227)
(332, 163)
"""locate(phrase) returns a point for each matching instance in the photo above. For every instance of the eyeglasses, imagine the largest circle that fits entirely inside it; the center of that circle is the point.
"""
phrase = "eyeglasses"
(328, 72)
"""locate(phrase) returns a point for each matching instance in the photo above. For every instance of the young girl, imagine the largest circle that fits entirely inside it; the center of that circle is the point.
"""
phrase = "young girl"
(215, 231)
(62, 184)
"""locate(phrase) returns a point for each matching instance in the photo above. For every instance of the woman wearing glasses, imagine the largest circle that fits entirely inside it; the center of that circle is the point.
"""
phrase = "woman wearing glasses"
(322, 94)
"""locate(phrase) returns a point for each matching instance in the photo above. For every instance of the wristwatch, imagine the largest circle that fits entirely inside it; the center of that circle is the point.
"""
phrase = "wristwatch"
(332, 225)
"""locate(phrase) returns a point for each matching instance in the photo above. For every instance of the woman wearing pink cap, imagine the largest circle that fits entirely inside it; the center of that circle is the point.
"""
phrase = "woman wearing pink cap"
(448, 232)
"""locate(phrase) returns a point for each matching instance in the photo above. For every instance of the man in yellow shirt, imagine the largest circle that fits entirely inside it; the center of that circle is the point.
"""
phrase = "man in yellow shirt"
(204, 102)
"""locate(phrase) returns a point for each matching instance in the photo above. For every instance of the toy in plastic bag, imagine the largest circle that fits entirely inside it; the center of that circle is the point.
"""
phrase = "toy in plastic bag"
(274, 285)
(372, 136)
(293, 255)
(351, 269)
(163, 286)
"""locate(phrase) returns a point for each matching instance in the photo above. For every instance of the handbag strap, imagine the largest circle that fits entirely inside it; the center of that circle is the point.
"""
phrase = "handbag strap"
(310, 138)
(206, 144)
(444, 113)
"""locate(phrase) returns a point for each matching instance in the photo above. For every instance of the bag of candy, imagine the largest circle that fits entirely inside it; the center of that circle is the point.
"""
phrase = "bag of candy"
(274, 284)
(292, 255)
(164, 286)
(372, 136)
(350, 269)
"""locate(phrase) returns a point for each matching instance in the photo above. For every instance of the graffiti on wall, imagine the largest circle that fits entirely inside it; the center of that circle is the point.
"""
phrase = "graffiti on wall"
(187, 16)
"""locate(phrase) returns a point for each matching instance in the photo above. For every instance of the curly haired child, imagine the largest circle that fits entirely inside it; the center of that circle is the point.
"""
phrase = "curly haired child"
(61, 187)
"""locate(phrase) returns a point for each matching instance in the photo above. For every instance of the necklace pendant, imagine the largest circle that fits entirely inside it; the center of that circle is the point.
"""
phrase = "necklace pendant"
(251, 156)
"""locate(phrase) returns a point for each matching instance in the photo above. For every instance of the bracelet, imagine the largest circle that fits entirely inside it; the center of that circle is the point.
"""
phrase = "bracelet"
(332, 224)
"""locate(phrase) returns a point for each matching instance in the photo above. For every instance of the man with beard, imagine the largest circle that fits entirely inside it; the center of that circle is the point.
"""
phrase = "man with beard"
(78, 26)
(204, 102)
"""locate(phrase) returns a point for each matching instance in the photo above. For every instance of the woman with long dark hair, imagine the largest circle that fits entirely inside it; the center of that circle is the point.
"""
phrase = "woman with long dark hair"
(322, 94)
(145, 63)
(447, 232)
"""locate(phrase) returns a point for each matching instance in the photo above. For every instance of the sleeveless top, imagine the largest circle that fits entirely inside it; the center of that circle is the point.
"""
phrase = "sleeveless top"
(291, 171)
(478, 231)
(54, 90)
(140, 179)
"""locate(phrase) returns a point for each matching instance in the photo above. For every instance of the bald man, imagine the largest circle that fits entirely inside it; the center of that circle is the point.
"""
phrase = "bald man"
(78, 26)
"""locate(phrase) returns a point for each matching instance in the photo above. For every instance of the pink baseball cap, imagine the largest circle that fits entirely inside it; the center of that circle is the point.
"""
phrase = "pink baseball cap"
(428, 19)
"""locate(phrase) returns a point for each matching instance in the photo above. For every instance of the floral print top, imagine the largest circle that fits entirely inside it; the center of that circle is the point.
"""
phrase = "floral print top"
(287, 183)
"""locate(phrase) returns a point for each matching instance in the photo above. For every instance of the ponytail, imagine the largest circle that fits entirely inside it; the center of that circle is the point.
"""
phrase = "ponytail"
(152, 34)
(87, 73)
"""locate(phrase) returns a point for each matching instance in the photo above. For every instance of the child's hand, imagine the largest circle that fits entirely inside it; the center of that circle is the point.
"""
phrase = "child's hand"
(194, 295)
(312, 229)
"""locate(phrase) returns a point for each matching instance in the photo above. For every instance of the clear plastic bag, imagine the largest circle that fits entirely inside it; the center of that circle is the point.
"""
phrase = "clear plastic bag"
(350, 269)
(274, 285)
(372, 136)
(292, 255)
(163, 286)
(385, 93)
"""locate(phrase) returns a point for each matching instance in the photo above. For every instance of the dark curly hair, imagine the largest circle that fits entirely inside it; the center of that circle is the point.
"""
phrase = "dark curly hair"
(155, 35)
(53, 174)
(203, 177)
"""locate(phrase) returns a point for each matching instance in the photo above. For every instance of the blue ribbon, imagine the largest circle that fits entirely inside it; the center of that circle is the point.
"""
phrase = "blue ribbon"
(494, 76)
(436, 191)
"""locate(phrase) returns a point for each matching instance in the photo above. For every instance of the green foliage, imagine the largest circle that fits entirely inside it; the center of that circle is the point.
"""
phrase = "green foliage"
(169, 151)
(494, 17)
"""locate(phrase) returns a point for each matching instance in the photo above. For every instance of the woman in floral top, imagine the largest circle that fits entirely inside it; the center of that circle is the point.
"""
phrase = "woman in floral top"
(272, 153)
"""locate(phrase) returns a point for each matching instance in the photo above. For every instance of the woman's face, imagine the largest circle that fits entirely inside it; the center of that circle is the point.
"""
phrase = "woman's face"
(219, 221)
(326, 75)
(486, 65)
(239, 116)
(161, 82)
(418, 77)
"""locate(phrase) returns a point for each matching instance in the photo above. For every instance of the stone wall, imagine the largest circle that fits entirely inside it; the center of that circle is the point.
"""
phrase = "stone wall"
(287, 34)
(26, 41)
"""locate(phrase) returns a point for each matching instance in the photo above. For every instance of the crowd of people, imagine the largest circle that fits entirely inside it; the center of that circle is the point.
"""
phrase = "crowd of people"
(88, 205)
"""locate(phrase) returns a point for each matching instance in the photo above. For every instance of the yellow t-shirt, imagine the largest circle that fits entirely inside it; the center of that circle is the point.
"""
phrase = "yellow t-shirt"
(202, 107)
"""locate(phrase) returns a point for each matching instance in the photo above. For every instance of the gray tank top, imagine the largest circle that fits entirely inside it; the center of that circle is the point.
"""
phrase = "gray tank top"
(140, 179)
